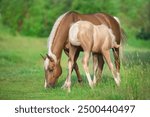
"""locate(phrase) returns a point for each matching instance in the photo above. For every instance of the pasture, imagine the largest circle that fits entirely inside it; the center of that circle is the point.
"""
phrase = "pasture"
(22, 74)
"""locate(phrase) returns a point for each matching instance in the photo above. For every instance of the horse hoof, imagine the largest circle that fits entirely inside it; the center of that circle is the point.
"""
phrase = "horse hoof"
(80, 81)
(69, 90)
(91, 85)
(94, 83)
(117, 82)
(64, 86)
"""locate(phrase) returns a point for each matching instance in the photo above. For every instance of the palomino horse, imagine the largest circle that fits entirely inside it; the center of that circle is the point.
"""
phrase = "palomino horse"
(98, 39)
(58, 41)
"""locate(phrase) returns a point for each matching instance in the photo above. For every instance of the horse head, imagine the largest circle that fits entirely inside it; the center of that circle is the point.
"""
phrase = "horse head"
(52, 71)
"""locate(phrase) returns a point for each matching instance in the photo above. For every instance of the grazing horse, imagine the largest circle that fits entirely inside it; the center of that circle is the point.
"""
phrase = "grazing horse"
(98, 39)
(58, 41)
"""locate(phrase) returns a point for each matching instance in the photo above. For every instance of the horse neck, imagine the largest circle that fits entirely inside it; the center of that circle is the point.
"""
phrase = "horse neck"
(61, 36)
(58, 46)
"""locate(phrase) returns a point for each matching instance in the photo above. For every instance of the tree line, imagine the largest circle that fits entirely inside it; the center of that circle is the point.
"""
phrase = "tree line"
(36, 17)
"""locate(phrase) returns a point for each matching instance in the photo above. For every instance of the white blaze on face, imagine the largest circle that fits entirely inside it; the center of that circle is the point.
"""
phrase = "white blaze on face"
(46, 63)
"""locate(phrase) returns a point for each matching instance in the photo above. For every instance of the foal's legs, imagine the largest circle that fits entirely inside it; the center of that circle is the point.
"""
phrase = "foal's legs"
(86, 68)
(75, 65)
(98, 62)
(106, 54)
(95, 67)
(100, 66)
(72, 52)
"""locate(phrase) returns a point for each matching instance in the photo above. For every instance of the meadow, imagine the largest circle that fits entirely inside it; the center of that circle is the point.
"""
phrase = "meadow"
(22, 73)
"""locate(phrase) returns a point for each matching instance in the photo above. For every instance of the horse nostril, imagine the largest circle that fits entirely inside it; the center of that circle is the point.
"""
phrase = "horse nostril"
(50, 85)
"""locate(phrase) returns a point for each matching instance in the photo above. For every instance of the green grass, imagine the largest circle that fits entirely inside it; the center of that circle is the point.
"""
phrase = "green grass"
(22, 74)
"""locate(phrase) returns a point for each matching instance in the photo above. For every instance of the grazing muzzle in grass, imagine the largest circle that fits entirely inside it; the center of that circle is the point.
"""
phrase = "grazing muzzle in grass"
(52, 71)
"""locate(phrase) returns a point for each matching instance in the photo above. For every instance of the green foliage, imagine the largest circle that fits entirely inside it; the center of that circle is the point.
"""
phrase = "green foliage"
(30, 17)
(144, 22)
(93, 6)
(36, 17)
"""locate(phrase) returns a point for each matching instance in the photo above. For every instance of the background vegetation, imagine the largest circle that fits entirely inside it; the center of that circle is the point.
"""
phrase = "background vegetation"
(36, 17)
(25, 26)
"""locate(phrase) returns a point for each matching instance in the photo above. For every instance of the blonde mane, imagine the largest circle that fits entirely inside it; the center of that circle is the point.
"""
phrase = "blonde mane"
(117, 19)
(52, 35)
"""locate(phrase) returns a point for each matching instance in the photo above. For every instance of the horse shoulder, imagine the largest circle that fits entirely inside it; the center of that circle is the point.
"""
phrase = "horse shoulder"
(73, 34)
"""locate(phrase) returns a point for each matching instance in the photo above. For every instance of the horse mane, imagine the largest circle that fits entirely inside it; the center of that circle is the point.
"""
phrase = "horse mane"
(52, 36)
(117, 19)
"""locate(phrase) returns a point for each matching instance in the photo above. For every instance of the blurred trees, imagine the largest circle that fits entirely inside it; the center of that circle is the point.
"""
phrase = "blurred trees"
(36, 17)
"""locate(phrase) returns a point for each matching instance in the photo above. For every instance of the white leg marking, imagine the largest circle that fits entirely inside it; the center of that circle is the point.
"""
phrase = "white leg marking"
(86, 69)
(118, 79)
(95, 66)
(94, 80)
(67, 83)
(116, 76)
(45, 84)
(89, 79)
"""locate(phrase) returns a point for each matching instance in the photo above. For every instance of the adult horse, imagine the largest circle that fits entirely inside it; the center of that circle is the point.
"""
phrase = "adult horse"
(58, 41)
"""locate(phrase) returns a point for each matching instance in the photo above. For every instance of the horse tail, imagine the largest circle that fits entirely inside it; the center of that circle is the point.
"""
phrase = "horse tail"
(122, 39)
(122, 42)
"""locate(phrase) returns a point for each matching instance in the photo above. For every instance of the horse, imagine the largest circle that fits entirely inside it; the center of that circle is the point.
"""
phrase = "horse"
(95, 39)
(58, 41)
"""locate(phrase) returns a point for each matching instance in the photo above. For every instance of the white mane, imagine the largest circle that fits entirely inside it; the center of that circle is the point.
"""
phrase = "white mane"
(51, 36)
(117, 19)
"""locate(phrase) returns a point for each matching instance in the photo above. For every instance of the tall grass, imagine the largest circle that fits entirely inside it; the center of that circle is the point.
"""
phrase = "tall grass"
(22, 74)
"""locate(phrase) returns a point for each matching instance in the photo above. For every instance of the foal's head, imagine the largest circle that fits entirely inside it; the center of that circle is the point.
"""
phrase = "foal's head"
(52, 71)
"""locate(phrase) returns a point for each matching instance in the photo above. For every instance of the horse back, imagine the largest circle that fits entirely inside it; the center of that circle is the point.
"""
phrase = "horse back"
(98, 19)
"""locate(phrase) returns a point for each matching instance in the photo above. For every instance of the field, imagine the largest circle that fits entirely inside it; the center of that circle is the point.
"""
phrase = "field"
(22, 74)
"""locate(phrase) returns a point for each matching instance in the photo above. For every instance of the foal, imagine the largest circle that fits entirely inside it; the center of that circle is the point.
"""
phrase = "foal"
(97, 39)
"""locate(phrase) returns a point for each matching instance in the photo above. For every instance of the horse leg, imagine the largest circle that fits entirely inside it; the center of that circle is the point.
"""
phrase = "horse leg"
(111, 67)
(95, 67)
(85, 66)
(75, 66)
(100, 66)
(72, 52)
(117, 61)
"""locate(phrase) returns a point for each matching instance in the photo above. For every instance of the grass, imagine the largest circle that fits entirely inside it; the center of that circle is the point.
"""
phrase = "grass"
(22, 75)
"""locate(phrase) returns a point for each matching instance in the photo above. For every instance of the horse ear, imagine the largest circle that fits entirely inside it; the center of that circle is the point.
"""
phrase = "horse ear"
(50, 58)
(43, 56)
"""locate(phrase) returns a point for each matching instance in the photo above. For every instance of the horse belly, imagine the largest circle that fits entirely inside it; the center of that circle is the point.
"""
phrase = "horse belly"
(96, 48)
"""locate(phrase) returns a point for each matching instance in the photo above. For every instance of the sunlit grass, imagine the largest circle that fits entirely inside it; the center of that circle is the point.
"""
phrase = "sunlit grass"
(22, 75)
